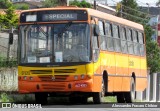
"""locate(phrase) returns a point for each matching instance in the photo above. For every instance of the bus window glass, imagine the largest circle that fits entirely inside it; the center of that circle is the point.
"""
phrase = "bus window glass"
(55, 43)
(115, 31)
(134, 34)
(130, 47)
(136, 44)
(140, 37)
(116, 37)
(124, 47)
(123, 33)
(108, 29)
(101, 29)
(129, 35)
(141, 43)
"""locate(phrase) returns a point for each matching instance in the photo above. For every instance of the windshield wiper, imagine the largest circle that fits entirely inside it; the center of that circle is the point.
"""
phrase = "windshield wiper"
(66, 27)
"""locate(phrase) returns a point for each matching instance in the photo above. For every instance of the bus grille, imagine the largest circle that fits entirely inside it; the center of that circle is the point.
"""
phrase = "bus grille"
(53, 78)
(53, 87)
(59, 71)
(41, 71)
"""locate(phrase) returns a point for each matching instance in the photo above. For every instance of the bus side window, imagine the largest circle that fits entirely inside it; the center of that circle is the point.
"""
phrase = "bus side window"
(116, 36)
(102, 36)
(129, 41)
(141, 43)
(123, 40)
(101, 27)
(108, 28)
(136, 44)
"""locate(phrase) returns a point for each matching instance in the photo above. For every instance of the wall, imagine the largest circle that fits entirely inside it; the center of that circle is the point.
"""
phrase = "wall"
(8, 79)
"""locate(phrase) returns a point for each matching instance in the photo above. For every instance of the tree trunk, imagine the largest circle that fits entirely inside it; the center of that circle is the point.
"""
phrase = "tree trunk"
(63, 2)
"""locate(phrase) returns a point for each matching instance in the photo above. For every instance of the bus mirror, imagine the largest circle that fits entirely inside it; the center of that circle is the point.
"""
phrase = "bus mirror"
(96, 31)
(10, 38)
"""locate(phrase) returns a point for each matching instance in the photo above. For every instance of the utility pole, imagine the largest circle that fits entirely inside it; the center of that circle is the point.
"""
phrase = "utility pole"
(10, 41)
(148, 7)
(95, 5)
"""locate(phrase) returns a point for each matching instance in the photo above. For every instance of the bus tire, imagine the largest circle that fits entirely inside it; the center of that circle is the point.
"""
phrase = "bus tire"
(41, 98)
(120, 97)
(98, 97)
(130, 96)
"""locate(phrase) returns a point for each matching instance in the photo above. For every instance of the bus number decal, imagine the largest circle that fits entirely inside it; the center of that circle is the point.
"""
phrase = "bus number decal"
(131, 63)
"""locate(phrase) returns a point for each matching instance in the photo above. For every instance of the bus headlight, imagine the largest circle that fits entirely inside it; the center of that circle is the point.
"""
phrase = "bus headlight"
(25, 78)
(31, 78)
(75, 77)
(82, 76)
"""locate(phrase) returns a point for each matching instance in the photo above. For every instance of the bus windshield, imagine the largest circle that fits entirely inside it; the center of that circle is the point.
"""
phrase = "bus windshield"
(50, 43)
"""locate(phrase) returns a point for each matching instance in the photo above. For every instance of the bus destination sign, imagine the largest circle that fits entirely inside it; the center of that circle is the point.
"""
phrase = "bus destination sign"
(52, 17)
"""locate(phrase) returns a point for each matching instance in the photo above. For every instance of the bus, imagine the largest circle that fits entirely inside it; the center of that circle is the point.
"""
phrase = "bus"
(80, 53)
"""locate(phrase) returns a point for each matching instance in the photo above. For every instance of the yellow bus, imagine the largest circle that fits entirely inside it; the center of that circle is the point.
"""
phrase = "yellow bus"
(80, 53)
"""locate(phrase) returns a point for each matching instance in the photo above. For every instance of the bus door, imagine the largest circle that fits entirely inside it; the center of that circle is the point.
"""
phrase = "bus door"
(96, 56)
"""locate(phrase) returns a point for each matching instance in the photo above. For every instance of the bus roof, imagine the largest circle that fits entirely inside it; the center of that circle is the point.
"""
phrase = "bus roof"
(96, 13)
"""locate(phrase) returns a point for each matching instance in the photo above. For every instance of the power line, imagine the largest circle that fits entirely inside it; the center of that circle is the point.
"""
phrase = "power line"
(131, 8)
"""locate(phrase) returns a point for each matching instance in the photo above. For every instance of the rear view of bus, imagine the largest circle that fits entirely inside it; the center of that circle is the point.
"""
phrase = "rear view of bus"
(54, 54)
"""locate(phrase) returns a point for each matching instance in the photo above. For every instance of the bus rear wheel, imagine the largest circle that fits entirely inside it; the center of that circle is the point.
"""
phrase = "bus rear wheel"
(130, 96)
(98, 97)
(41, 98)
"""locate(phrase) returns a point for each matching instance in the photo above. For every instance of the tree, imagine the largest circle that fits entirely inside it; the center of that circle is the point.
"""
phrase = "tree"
(50, 3)
(131, 12)
(21, 6)
(152, 51)
(4, 4)
(63, 2)
(10, 19)
(83, 3)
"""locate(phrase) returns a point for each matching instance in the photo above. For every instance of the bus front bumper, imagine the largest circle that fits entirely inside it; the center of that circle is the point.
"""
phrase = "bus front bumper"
(55, 86)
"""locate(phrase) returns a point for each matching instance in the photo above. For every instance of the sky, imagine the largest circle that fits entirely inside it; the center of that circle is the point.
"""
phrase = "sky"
(151, 3)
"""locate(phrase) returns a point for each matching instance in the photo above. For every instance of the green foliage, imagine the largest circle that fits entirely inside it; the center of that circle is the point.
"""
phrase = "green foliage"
(130, 11)
(83, 4)
(10, 19)
(21, 6)
(5, 98)
(12, 62)
(50, 3)
(152, 50)
(4, 4)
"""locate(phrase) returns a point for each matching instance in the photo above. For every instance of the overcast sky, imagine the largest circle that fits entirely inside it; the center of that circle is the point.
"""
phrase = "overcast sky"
(140, 2)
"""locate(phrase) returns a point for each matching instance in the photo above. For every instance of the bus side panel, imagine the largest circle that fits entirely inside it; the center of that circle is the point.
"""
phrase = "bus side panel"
(110, 83)
(97, 83)
(121, 69)
(126, 83)
(117, 83)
